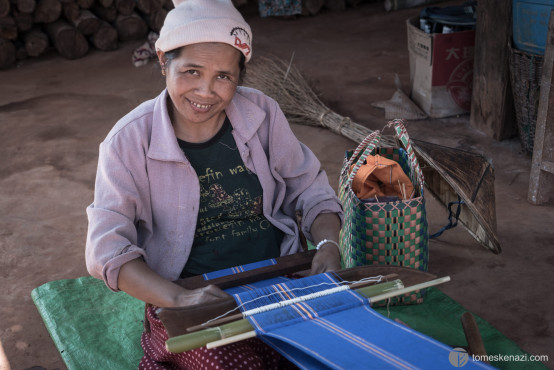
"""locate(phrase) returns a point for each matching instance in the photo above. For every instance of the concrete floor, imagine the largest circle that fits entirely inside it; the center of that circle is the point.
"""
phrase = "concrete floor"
(55, 112)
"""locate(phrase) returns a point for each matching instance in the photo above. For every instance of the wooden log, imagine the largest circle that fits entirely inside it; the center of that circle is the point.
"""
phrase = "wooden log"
(70, 10)
(47, 11)
(20, 51)
(4, 8)
(25, 6)
(156, 20)
(125, 7)
(87, 23)
(105, 3)
(131, 27)
(105, 38)
(8, 28)
(85, 4)
(7, 54)
(108, 14)
(353, 3)
(36, 42)
(67, 40)
(312, 7)
(335, 4)
(149, 6)
(23, 21)
(492, 102)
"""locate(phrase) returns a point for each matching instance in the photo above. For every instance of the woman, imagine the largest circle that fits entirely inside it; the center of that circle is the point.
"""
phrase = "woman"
(206, 176)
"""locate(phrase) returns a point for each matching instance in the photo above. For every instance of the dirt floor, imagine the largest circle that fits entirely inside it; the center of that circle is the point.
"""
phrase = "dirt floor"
(55, 112)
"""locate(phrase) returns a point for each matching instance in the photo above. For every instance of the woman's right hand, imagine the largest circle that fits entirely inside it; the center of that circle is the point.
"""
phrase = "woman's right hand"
(206, 294)
(140, 281)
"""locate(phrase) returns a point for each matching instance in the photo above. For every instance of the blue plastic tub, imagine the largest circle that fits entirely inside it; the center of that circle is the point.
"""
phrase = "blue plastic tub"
(530, 24)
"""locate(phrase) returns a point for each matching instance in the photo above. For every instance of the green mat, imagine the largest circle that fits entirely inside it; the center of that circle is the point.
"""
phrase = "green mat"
(95, 328)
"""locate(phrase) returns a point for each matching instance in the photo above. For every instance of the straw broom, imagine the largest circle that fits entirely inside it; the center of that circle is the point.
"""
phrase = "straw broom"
(283, 82)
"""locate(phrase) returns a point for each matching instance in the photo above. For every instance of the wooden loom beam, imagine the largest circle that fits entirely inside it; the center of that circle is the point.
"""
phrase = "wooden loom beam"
(177, 320)
(241, 329)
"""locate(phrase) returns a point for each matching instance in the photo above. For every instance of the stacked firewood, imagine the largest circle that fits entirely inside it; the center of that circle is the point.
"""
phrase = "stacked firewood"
(28, 28)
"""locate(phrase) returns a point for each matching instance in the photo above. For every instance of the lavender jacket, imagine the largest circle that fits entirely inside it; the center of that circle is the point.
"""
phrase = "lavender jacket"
(147, 194)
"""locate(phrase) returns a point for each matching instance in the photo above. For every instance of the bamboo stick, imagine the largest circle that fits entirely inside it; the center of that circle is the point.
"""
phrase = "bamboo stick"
(355, 286)
(201, 338)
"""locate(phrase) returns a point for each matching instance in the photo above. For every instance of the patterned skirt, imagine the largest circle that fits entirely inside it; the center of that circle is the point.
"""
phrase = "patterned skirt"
(247, 354)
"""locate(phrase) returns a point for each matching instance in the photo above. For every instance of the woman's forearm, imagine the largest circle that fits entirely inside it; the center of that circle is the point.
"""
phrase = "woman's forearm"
(140, 281)
(326, 226)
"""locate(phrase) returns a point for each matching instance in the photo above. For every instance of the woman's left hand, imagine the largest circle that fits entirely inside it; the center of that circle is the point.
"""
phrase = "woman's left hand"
(326, 226)
(326, 259)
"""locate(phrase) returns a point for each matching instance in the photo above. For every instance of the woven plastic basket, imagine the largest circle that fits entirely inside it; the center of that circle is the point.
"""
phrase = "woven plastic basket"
(390, 233)
(525, 76)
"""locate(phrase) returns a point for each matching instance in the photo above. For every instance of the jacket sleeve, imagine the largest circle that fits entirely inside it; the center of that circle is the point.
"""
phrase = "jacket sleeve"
(307, 185)
(112, 232)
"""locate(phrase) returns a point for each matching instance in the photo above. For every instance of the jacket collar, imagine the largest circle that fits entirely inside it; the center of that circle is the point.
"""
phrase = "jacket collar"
(245, 116)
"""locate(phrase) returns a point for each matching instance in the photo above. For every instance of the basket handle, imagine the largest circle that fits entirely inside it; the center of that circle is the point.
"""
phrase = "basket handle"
(402, 136)
(367, 145)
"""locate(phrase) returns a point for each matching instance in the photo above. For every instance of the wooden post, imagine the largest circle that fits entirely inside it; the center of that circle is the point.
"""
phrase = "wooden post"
(541, 180)
(492, 106)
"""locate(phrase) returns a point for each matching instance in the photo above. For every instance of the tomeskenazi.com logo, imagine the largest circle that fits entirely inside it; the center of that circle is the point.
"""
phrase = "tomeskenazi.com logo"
(458, 357)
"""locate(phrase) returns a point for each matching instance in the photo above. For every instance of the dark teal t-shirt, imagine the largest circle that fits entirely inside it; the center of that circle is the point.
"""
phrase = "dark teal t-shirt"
(231, 229)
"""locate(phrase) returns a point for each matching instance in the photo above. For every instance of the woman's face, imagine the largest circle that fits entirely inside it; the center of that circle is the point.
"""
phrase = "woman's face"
(201, 82)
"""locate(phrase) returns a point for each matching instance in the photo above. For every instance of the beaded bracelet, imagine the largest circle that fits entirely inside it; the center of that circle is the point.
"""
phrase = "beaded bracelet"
(325, 241)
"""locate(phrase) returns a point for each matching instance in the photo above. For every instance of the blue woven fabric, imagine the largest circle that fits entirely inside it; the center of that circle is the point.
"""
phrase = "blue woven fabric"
(339, 330)
(237, 269)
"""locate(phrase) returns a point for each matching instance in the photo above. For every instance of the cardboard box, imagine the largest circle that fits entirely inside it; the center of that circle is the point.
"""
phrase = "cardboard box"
(441, 70)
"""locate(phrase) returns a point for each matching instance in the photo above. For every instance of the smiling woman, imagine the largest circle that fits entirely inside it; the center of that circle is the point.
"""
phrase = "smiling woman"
(201, 82)
(206, 176)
